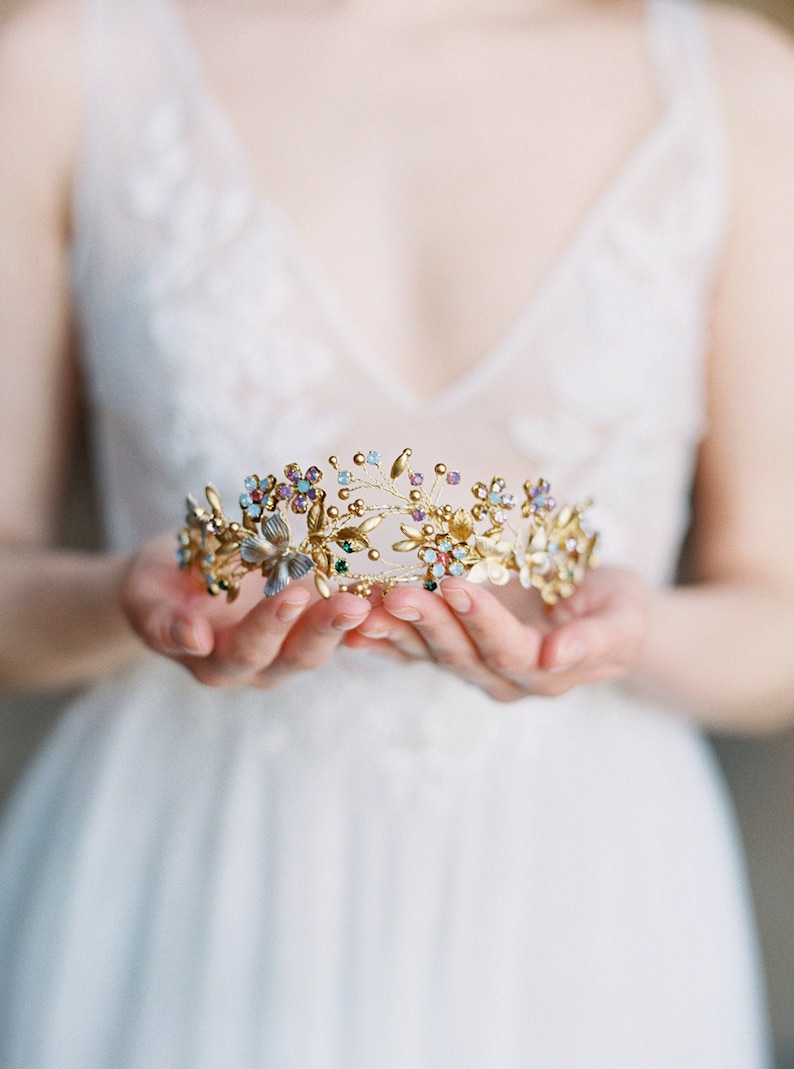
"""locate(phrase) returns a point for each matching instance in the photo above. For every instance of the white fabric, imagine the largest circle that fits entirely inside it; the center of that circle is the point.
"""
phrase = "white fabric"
(375, 867)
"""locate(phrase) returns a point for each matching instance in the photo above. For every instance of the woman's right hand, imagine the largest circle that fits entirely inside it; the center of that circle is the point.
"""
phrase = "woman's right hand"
(255, 641)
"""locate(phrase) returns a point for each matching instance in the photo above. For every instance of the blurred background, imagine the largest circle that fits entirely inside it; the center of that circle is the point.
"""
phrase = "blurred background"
(759, 772)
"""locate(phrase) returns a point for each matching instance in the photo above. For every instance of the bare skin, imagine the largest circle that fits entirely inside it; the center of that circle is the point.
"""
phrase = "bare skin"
(435, 270)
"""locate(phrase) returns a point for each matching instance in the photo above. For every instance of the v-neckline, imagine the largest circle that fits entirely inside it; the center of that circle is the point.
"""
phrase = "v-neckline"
(492, 362)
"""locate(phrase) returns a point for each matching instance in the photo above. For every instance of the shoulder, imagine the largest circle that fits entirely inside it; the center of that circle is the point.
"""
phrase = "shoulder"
(755, 67)
(40, 88)
(754, 62)
(745, 37)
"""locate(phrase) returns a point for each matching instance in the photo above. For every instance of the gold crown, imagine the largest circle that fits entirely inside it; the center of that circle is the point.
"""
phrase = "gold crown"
(549, 547)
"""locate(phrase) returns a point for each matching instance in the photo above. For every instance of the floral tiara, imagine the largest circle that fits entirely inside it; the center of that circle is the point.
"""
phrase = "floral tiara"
(549, 548)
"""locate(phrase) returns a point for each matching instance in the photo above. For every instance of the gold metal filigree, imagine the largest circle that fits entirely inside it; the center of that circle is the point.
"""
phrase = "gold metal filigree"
(550, 549)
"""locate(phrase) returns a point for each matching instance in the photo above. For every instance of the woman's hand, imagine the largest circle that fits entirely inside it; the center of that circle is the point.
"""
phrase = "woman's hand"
(255, 641)
(594, 635)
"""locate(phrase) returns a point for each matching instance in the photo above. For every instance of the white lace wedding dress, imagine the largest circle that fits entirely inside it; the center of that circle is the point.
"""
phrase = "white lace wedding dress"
(375, 867)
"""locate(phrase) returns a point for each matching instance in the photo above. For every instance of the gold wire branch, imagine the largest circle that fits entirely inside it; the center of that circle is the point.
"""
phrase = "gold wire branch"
(550, 548)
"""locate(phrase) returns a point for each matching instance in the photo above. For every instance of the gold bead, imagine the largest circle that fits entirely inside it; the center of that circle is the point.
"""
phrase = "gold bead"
(344, 494)
(441, 469)
(428, 529)
(359, 504)
(447, 510)
(415, 495)
(334, 462)
(374, 554)
(332, 512)
(359, 459)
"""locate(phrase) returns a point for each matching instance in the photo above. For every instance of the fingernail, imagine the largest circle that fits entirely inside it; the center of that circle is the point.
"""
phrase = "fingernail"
(569, 653)
(289, 611)
(456, 598)
(345, 622)
(405, 612)
(183, 637)
(374, 630)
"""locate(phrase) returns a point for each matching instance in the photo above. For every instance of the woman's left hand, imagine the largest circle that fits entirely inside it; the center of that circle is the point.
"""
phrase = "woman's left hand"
(594, 635)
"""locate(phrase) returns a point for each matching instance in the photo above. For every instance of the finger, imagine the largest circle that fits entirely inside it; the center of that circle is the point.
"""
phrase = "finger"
(447, 640)
(504, 644)
(313, 639)
(254, 642)
(602, 643)
(168, 615)
(383, 626)
(354, 640)
(186, 635)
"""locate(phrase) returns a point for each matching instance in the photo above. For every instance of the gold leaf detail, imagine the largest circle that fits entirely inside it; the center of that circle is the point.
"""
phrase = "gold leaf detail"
(323, 589)
(214, 499)
(322, 558)
(370, 524)
(347, 533)
(315, 519)
(353, 545)
(565, 516)
(461, 525)
(351, 540)
(406, 546)
(400, 464)
(413, 533)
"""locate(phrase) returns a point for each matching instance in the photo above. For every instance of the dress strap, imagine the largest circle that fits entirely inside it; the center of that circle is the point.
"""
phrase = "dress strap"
(680, 42)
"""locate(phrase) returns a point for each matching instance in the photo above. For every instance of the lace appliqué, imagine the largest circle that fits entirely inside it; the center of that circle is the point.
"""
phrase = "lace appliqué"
(228, 345)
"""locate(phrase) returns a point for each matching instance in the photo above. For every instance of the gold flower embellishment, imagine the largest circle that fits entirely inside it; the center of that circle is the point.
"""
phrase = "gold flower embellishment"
(550, 549)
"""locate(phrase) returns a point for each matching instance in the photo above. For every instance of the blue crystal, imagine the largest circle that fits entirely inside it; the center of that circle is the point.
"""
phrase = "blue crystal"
(344, 478)
(245, 501)
(437, 570)
(495, 499)
(251, 483)
(429, 555)
(303, 486)
(456, 568)
(254, 511)
(373, 457)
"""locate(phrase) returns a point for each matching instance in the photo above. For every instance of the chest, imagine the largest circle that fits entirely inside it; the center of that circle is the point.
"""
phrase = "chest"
(432, 176)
